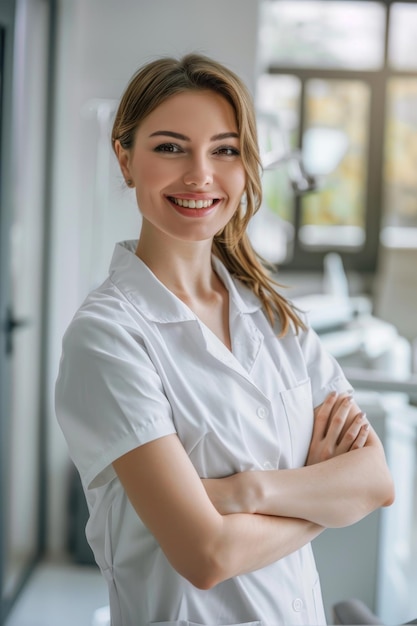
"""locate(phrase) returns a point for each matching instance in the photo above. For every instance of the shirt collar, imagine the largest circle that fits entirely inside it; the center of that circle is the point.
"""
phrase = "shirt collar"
(143, 289)
(243, 298)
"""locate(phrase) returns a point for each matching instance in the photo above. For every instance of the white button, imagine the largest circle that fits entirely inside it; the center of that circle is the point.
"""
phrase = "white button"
(268, 465)
(262, 412)
(298, 605)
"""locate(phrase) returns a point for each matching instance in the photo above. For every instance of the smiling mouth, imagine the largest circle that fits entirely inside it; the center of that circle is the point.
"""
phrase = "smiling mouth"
(194, 204)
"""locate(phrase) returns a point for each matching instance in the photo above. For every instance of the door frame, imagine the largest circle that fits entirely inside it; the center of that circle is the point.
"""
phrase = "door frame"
(8, 11)
(6, 59)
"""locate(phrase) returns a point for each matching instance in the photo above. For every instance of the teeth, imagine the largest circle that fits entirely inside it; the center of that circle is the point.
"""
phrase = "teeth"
(193, 204)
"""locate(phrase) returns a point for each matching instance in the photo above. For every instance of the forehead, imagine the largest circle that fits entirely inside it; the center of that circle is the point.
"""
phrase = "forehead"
(204, 111)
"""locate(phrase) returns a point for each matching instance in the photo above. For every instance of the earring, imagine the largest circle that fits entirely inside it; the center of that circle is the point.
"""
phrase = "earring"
(129, 182)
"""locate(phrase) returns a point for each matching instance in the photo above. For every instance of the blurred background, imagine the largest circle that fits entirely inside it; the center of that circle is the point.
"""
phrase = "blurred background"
(335, 88)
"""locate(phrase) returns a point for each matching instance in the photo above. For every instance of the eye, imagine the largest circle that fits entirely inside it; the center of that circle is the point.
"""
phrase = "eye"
(170, 148)
(227, 151)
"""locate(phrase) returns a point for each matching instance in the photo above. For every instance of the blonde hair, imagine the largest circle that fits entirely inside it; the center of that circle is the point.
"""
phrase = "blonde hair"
(153, 84)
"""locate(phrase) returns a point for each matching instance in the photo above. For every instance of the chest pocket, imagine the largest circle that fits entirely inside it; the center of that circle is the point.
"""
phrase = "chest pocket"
(299, 411)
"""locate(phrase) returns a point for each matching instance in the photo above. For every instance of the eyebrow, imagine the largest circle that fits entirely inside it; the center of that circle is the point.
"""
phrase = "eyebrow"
(170, 133)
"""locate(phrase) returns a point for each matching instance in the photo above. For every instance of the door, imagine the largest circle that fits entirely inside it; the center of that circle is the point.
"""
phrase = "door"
(22, 225)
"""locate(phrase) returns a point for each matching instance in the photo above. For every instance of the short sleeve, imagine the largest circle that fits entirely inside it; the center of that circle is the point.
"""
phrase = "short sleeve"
(109, 398)
(325, 373)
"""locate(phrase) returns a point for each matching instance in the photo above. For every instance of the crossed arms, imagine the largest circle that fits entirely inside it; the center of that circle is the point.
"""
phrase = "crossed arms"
(201, 525)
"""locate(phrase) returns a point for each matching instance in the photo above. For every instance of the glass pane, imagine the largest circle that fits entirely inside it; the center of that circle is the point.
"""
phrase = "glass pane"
(278, 106)
(337, 112)
(347, 35)
(400, 172)
(403, 36)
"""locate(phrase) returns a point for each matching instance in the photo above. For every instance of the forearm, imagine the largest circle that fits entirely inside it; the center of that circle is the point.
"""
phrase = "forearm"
(336, 492)
(249, 542)
(202, 544)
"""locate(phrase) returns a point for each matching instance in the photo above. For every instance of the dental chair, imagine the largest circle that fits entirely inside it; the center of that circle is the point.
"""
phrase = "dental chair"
(355, 612)
(375, 560)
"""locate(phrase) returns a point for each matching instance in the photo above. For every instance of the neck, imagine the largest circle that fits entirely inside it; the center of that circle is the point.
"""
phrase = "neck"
(183, 267)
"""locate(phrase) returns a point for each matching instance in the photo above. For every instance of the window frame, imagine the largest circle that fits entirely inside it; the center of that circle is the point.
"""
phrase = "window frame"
(364, 259)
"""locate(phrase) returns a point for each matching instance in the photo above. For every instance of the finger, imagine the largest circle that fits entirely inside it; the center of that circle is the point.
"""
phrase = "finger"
(349, 435)
(322, 415)
(354, 411)
(342, 398)
(362, 437)
(338, 419)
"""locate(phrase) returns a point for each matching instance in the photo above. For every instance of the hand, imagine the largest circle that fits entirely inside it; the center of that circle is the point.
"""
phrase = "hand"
(339, 426)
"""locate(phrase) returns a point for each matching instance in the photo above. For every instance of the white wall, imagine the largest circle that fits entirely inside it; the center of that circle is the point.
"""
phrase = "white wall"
(100, 45)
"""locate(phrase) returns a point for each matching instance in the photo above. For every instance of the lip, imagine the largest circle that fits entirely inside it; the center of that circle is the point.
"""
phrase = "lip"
(188, 212)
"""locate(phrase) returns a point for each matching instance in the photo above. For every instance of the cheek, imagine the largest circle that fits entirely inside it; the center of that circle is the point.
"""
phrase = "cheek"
(148, 173)
(238, 180)
(238, 175)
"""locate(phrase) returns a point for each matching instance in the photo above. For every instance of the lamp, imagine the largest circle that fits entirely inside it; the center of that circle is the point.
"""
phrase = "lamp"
(322, 150)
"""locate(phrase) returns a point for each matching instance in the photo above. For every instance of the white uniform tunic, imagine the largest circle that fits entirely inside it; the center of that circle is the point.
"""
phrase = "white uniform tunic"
(137, 364)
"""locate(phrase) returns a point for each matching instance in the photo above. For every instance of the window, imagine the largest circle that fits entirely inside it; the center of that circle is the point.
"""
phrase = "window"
(403, 40)
(337, 106)
(346, 35)
(400, 166)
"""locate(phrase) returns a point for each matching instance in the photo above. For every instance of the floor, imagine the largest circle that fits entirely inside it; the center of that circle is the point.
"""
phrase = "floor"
(46, 601)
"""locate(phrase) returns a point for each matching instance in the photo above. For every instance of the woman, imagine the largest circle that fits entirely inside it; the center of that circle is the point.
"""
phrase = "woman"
(214, 436)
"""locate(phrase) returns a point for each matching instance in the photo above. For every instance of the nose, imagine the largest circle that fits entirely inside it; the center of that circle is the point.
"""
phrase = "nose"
(199, 172)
